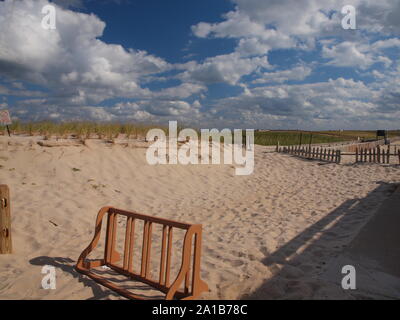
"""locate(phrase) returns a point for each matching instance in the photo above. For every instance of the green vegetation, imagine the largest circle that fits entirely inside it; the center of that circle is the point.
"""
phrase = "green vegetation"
(289, 138)
(83, 130)
(352, 134)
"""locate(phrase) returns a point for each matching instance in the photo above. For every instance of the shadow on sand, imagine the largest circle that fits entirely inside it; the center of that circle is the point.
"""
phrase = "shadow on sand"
(298, 274)
(68, 265)
(99, 292)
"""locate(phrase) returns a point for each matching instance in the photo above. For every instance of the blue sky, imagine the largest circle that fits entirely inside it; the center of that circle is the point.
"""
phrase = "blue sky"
(284, 64)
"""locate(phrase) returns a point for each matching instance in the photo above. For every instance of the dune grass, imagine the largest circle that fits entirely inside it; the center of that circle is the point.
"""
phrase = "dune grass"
(110, 131)
(82, 130)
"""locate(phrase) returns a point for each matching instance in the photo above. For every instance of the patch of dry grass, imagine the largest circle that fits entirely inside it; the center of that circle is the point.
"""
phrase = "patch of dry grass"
(81, 130)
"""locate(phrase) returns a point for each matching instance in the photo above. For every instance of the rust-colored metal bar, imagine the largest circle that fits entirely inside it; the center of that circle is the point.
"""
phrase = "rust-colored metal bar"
(110, 238)
(140, 216)
(144, 249)
(188, 276)
(198, 285)
(162, 260)
(169, 257)
(127, 242)
(148, 254)
(131, 245)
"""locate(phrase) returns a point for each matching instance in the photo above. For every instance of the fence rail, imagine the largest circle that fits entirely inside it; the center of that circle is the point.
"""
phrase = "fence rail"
(315, 153)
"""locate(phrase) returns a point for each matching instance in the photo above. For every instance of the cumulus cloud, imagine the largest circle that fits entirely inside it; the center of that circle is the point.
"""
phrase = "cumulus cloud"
(342, 101)
(297, 73)
(70, 60)
(228, 68)
(74, 73)
(72, 63)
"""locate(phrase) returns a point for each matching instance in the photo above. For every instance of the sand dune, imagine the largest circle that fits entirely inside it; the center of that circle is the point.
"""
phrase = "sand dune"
(250, 223)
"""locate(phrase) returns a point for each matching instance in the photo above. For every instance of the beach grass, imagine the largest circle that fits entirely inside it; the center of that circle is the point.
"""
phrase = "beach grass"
(82, 130)
(110, 131)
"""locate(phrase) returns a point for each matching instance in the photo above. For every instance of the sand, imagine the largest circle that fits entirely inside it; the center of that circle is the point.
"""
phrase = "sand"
(266, 236)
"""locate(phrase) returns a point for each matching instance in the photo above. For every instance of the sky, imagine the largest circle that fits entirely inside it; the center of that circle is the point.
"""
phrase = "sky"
(255, 64)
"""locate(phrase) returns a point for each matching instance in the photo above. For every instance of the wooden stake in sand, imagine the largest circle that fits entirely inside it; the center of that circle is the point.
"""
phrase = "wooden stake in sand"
(5, 221)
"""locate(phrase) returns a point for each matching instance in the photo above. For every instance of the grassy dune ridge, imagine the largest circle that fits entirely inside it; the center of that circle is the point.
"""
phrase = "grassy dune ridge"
(82, 130)
(86, 129)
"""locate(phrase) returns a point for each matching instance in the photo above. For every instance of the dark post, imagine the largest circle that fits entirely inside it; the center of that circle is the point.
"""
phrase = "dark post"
(5, 221)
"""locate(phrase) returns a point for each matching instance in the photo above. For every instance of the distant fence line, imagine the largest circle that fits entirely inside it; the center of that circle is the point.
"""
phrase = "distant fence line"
(375, 155)
(323, 154)
(372, 155)
(362, 145)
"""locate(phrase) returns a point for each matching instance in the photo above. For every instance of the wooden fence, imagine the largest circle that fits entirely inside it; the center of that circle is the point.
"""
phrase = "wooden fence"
(314, 153)
(375, 155)
(362, 145)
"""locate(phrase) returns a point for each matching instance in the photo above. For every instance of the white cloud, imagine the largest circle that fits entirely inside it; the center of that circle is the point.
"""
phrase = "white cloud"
(228, 68)
(71, 59)
(344, 102)
(297, 73)
(77, 70)
(347, 54)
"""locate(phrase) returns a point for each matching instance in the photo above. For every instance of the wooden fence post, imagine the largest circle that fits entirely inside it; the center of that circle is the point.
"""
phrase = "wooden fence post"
(5, 221)
(356, 155)
(379, 153)
(388, 155)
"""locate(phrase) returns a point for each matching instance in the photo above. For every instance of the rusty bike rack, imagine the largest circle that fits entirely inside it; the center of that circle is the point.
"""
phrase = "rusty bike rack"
(193, 284)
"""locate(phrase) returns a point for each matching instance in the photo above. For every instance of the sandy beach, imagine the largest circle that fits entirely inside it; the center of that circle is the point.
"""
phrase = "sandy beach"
(268, 235)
